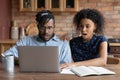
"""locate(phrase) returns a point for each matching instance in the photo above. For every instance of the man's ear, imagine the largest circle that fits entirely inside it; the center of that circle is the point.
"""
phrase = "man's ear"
(54, 28)
(54, 25)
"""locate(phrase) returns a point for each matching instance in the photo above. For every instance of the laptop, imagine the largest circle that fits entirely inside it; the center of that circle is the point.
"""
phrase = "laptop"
(38, 58)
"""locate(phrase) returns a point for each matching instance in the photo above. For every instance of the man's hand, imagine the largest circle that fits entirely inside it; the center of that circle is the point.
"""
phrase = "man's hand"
(65, 37)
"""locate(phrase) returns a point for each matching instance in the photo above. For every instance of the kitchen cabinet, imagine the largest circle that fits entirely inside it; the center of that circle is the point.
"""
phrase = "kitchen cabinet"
(26, 5)
(56, 5)
(71, 5)
(53, 5)
(64, 5)
(41, 5)
(34, 5)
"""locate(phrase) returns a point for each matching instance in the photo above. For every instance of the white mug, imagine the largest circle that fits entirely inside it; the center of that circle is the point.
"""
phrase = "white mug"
(8, 63)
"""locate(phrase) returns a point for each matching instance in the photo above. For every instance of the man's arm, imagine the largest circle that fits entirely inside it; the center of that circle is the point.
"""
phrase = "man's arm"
(13, 50)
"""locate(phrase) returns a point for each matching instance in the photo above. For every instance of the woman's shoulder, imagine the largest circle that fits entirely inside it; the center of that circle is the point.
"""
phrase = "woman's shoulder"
(99, 38)
(76, 39)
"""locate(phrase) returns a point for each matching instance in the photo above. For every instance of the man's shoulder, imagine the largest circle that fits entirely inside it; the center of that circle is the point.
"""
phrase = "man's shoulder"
(60, 40)
(27, 38)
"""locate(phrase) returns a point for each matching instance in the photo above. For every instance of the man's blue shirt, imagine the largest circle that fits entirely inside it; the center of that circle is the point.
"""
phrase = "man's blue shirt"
(64, 48)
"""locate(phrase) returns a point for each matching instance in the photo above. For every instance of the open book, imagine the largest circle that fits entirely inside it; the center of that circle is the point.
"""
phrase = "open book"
(91, 70)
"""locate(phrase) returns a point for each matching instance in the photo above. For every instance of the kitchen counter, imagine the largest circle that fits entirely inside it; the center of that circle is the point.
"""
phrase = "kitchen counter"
(6, 44)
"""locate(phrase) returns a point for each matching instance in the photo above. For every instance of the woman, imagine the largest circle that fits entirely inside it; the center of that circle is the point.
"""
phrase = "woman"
(90, 48)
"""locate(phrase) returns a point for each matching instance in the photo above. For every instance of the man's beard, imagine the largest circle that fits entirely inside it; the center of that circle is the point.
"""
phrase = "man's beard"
(43, 38)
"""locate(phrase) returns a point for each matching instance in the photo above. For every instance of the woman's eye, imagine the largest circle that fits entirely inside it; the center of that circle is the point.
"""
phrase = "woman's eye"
(87, 26)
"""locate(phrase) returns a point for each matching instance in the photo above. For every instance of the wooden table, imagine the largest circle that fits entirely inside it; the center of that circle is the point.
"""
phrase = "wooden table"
(17, 75)
(6, 44)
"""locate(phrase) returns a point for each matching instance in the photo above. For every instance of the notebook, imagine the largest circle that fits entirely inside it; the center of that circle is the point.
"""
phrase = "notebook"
(38, 58)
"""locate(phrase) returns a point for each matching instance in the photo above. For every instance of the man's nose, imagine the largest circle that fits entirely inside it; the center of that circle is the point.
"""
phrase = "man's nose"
(46, 30)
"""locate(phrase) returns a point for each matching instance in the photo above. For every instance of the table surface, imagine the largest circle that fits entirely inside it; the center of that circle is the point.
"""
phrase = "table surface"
(14, 41)
(17, 75)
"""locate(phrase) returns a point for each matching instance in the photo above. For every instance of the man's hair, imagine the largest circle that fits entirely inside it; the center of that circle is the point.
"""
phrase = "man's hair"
(43, 17)
(93, 15)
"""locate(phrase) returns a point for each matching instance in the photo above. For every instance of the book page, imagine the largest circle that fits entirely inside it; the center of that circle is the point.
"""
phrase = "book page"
(101, 70)
(66, 71)
(83, 71)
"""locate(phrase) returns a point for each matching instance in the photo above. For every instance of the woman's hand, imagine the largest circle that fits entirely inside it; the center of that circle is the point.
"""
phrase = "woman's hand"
(67, 65)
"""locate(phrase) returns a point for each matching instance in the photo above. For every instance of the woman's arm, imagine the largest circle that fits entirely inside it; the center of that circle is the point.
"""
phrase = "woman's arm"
(100, 61)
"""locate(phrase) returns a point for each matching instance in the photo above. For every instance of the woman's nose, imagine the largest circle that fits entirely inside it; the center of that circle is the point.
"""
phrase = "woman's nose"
(84, 28)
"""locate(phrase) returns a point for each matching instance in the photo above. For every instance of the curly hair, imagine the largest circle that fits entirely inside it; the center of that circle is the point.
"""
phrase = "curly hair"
(93, 15)
(43, 17)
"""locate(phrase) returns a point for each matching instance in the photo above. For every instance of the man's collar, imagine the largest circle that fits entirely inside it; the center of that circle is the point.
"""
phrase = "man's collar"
(55, 38)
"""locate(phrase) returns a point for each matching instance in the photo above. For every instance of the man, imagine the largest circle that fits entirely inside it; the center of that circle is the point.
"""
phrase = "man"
(46, 37)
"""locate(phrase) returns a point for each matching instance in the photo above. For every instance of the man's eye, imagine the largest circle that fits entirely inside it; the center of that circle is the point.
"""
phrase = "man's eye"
(49, 27)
